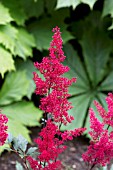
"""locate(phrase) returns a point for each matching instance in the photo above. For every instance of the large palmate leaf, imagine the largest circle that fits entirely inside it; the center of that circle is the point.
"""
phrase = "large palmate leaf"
(78, 71)
(96, 49)
(74, 3)
(21, 114)
(24, 43)
(42, 29)
(8, 35)
(6, 61)
(107, 84)
(83, 93)
(4, 14)
(80, 105)
(14, 88)
(96, 45)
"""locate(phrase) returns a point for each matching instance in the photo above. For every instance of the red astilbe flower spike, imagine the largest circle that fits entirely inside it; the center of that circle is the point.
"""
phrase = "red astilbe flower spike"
(106, 116)
(48, 144)
(54, 102)
(53, 88)
(95, 125)
(3, 129)
(100, 151)
(56, 45)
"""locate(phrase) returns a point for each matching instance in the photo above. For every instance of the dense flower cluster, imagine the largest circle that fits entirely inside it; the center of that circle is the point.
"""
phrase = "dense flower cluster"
(53, 88)
(106, 116)
(100, 151)
(33, 163)
(37, 166)
(3, 129)
(49, 145)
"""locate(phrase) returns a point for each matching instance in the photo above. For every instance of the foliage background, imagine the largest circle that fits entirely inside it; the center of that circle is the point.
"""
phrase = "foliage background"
(25, 35)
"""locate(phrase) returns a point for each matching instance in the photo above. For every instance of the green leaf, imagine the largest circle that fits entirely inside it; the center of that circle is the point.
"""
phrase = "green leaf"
(80, 106)
(50, 5)
(20, 128)
(107, 84)
(6, 61)
(32, 152)
(42, 29)
(19, 166)
(33, 8)
(103, 168)
(82, 92)
(89, 2)
(20, 143)
(101, 99)
(16, 11)
(74, 3)
(10, 138)
(4, 15)
(76, 70)
(111, 168)
(29, 68)
(22, 114)
(7, 36)
(14, 88)
(24, 43)
(96, 49)
(67, 3)
(108, 8)
(25, 112)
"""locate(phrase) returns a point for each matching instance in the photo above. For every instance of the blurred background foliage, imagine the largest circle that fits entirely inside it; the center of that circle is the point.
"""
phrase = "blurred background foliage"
(25, 35)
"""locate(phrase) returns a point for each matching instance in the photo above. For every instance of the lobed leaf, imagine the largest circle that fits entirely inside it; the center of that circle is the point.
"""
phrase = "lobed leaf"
(24, 43)
(29, 68)
(16, 11)
(8, 35)
(14, 88)
(4, 15)
(5, 66)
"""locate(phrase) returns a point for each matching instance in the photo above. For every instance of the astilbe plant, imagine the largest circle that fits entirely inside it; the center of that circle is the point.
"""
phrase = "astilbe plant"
(100, 150)
(53, 89)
